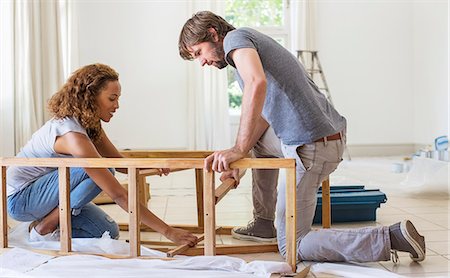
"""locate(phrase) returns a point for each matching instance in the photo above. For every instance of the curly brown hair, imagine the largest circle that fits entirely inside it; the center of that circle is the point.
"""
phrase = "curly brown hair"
(196, 30)
(78, 97)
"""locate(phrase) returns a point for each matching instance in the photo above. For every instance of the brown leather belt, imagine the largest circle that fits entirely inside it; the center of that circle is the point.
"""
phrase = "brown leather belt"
(336, 136)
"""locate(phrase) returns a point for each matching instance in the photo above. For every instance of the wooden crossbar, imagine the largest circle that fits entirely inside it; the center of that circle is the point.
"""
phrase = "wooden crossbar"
(226, 186)
(198, 163)
(155, 172)
(182, 248)
(223, 249)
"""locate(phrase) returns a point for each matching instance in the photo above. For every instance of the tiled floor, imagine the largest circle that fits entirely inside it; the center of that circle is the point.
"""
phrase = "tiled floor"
(173, 199)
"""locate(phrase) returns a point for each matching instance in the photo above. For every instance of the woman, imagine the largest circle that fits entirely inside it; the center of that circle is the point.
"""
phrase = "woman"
(90, 95)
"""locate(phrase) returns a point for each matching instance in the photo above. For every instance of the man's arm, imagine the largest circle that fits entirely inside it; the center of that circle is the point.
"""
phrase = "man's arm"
(252, 125)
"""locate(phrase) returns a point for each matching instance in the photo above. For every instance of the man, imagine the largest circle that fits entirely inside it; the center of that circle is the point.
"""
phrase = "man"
(285, 115)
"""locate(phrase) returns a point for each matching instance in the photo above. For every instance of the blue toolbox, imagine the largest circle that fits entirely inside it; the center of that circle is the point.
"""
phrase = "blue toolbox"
(351, 204)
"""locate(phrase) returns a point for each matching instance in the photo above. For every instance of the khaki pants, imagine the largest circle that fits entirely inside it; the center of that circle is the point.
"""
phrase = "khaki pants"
(315, 162)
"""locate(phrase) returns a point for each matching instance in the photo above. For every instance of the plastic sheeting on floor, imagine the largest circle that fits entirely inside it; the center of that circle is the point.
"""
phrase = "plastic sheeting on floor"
(18, 262)
(428, 177)
(97, 266)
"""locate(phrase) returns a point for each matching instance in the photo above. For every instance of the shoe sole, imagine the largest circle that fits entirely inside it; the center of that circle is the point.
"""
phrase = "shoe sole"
(32, 225)
(416, 246)
(252, 238)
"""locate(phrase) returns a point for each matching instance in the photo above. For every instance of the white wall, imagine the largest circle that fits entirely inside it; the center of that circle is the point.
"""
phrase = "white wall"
(140, 40)
(366, 52)
(387, 67)
(385, 62)
(430, 79)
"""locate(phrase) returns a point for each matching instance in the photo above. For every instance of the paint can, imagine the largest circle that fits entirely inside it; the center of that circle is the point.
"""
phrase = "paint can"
(397, 167)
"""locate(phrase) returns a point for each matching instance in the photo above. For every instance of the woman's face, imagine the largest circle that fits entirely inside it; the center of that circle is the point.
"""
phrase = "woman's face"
(108, 100)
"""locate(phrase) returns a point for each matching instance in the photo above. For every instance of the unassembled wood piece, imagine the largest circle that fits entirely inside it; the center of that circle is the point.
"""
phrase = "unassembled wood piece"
(226, 186)
(182, 248)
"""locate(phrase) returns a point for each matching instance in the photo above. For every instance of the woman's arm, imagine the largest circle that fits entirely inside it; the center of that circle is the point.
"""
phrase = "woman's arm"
(79, 145)
(107, 149)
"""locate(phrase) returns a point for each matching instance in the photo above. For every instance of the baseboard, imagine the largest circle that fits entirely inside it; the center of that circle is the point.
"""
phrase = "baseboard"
(381, 150)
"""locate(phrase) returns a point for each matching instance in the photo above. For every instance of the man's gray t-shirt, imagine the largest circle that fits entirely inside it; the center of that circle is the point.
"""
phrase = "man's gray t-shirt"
(294, 107)
(41, 145)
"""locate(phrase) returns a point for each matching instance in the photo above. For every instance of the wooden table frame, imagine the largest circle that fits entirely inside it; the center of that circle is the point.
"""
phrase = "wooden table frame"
(133, 165)
(326, 202)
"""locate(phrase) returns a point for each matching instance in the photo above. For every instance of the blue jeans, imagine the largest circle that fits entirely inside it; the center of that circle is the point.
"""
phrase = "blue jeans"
(41, 197)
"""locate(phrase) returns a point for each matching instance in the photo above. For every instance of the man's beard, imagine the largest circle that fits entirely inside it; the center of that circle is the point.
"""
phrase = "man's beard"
(220, 54)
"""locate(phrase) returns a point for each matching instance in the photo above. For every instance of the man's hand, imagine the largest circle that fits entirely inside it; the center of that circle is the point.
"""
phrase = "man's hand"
(231, 174)
(220, 161)
(163, 171)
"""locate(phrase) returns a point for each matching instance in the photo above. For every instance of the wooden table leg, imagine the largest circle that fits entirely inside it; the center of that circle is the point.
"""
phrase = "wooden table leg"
(65, 224)
(3, 213)
(199, 191)
(326, 204)
(133, 212)
(209, 200)
(291, 218)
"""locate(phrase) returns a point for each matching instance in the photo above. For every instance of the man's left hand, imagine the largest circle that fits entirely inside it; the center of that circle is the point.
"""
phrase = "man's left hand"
(220, 161)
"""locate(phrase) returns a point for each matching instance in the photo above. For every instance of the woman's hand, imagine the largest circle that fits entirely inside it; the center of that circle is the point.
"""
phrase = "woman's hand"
(181, 237)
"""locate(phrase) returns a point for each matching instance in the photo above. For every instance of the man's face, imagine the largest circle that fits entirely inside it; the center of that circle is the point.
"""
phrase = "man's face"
(209, 53)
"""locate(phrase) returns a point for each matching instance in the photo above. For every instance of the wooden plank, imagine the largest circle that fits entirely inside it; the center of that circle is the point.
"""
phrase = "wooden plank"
(256, 163)
(155, 172)
(199, 192)
(58, 253)
(228, 249)
(224, 230)
(165, 154)
(143, 192)
(182, 248)
(210, 213)
(263, 163)
(133, 213)
(3, 211)
(291, 219)
(106, 162)
(326, 204)
(65, 223)
(226, 186)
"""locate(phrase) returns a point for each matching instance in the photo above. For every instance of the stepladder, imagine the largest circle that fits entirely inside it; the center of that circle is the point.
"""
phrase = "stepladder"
(312, 65)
